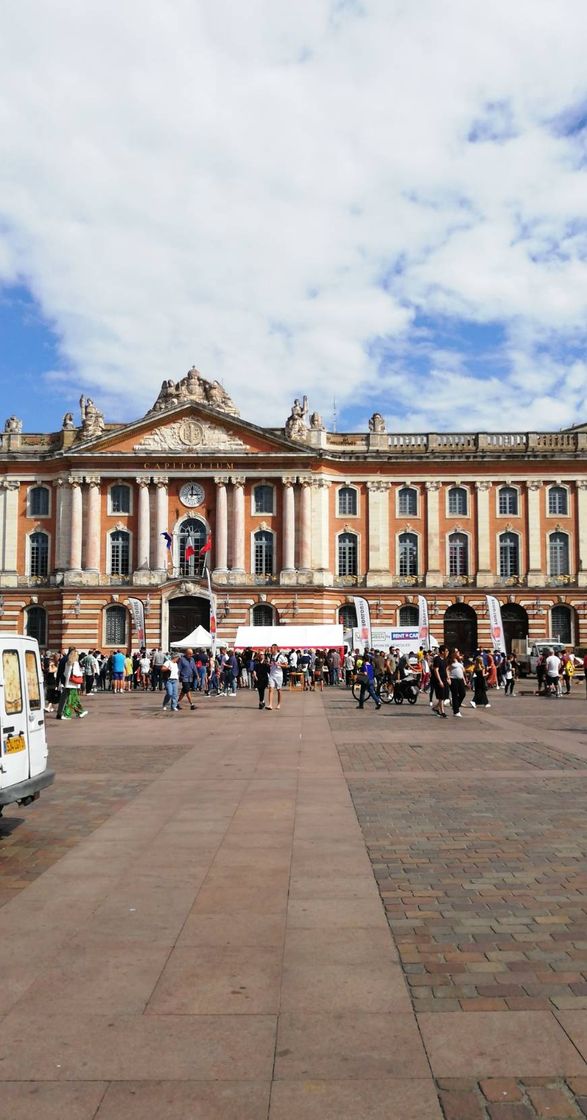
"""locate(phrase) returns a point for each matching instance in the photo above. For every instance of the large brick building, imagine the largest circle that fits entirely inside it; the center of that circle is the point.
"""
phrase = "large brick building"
(299, 518)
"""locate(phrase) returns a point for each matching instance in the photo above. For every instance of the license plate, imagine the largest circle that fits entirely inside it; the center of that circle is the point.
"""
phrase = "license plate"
(14, 744)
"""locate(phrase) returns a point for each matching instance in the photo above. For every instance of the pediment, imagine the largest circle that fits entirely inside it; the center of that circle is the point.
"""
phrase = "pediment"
(188, 429)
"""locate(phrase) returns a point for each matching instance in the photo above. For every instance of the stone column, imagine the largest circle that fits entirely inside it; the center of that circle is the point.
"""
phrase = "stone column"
(9, 531)
(238, 525)
(143, 561)
(76, 525)
(321, 532)
(582, 531)
(62, 516)
(433, 577)
(379, 571)
(485, 576)
(306, 524)
(289, 532)
(534, 530)
(161, 515)
(220, 544)
(94, 523)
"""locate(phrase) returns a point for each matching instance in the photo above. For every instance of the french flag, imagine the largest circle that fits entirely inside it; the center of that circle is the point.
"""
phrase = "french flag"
(206, 548)
(190, 548)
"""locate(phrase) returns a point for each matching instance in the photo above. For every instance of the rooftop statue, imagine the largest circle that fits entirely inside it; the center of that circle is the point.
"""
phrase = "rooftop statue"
(316, 422)
(295, 425)
(377, 423)
(68, 424)
(194, 387)
(13, 425)
(92, 418)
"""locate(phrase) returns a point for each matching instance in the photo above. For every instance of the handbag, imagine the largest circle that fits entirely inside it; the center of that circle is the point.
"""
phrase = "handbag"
(75, 679)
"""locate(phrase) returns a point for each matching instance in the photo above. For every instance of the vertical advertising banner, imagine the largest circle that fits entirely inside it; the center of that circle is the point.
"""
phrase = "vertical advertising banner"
(137, 611)
(212, 613)
(495, 623)
(423, 624)
(363, 620)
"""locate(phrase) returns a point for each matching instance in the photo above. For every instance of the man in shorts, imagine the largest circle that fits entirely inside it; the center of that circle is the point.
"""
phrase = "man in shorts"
(118, 660)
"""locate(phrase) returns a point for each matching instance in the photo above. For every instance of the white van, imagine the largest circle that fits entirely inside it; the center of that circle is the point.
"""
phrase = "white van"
(23, 742)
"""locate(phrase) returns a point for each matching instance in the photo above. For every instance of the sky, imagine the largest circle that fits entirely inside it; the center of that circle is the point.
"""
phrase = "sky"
(379, 203)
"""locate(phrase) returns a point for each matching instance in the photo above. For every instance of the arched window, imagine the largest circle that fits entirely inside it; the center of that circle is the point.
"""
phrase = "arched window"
(508, 501)
(407, 502)
(347, 616)
(120, 553)
(116, 618)
(458, 554)
(36, 624)
(39, 501)
(347, 502)
(347, 555)
(457, 501)
(39, 554)
(120, 499)
(192, 537)
(558, 501)
(408, 616)
(263, 552)
(562, 625)
(408, 554)
(263, 499)
(262, 614)
(558, 554)
(509, 555)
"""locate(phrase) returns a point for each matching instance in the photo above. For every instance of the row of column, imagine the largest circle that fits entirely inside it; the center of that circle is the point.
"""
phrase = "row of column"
(238, 524)
(70, 500)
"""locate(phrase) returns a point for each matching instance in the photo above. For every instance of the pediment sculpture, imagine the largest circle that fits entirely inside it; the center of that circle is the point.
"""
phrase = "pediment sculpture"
(188, 435)
(295, 425)
(194, 388)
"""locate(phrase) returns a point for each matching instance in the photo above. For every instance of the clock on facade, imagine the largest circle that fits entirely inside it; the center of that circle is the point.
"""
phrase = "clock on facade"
(192, 494)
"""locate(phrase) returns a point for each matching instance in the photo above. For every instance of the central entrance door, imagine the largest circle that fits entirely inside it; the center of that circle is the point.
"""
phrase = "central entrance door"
(460, 628)
(185, 613)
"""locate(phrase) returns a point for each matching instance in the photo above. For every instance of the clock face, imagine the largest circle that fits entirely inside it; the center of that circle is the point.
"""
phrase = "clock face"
(192, 494)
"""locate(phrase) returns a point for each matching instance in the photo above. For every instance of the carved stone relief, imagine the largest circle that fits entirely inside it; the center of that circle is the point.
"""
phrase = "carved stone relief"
(187, 434)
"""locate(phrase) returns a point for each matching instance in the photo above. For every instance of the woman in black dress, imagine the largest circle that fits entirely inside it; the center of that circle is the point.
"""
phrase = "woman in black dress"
(261, 676)
(480, 685)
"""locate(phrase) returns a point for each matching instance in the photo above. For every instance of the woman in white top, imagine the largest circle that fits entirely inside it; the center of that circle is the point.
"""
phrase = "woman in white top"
(458, 688)
(171, 670)
(276, 667)
(73, 681)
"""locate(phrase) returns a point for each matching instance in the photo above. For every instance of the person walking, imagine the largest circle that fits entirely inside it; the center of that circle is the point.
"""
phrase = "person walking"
(144, 669)
(480, 685)
(187, 676)
(553, 668)
(156, 667)
(568, 673)
(73, 682)
(277, 663)
(170, 671)
(366, 678)
(439, 688)
(458, 688)
(510, 678)
(260, 675)
(50, 678)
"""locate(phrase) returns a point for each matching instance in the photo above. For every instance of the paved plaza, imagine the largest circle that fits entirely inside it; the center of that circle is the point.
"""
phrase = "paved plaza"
(313, 913)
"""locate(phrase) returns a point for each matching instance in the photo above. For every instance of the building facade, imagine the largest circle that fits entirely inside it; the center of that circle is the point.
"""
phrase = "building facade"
(299, 519)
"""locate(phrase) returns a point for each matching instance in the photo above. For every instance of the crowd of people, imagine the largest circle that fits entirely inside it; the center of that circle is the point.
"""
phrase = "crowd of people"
(443, 674)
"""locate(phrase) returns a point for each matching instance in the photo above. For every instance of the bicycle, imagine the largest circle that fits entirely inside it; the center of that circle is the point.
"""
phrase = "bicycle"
(383, 689)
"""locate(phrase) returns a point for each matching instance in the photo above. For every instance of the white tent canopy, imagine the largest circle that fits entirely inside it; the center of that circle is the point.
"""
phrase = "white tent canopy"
(289, 637)
(198, 639)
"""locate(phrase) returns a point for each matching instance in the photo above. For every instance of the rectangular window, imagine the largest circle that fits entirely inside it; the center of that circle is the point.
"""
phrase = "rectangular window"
(12, 682)
(32, 680)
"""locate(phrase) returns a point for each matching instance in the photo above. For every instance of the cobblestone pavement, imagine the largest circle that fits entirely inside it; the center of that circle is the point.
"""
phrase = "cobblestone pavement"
(477, 835)
(90, 786)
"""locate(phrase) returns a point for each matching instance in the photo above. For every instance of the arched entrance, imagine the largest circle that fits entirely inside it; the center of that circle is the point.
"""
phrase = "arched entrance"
(460, 628)
(185, 613)
(515, 624)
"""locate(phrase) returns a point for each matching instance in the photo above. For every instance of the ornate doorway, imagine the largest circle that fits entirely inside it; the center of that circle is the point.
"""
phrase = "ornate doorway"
(460, 628)
(185, 613)
(515, 624)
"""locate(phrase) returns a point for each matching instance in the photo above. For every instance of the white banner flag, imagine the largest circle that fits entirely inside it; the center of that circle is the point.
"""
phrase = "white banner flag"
(363, 620)
(495, 623)
(137, 611)
(423, 624)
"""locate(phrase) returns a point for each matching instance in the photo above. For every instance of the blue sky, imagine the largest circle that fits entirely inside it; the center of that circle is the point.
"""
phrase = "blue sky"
(380, 203)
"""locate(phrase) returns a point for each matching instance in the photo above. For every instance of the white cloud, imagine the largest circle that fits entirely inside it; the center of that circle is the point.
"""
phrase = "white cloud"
(228, 185)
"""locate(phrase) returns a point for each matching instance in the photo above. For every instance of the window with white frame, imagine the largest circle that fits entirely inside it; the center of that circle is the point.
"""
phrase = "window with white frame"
(508, 501)
(558, 554)
(119, 553)
(347, 502)
(120, 498)
(457, 501)
(262, 614)
(36, 624)
(408, 554)
(347, 555)
(115, 628)
(509, 555)
(558, 501)
(263, 552)
(38, 501)
(38, 554)
(458, 554)
(407, 501)
(263, 498)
